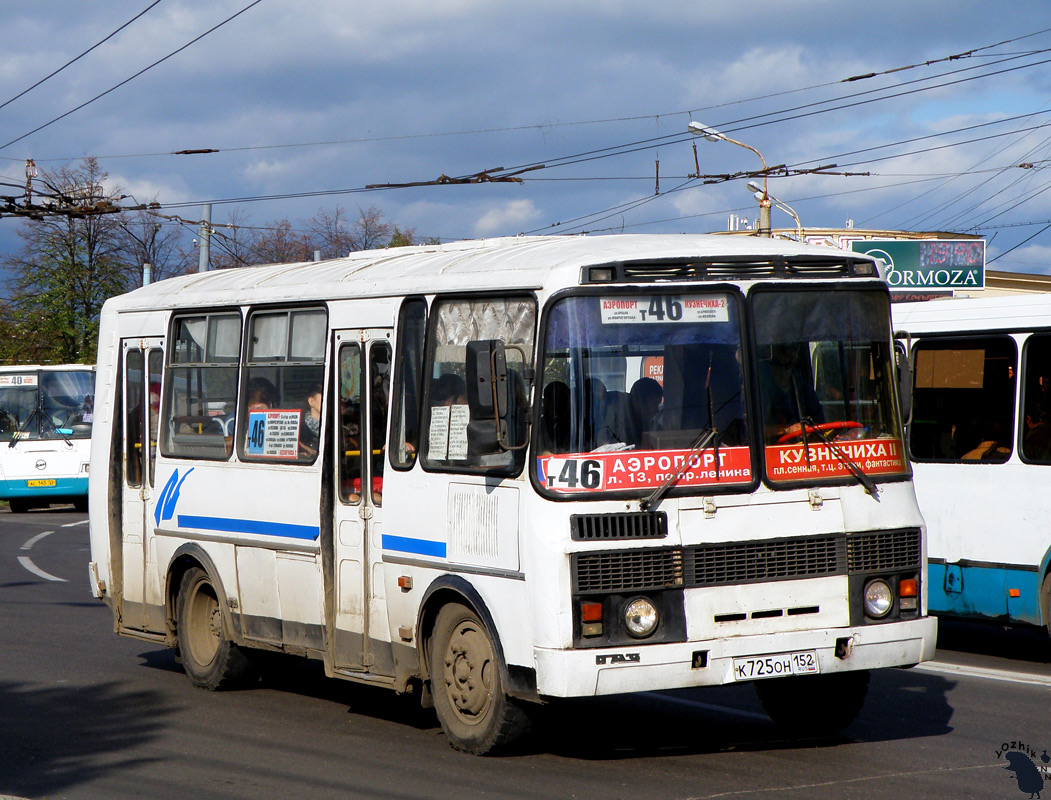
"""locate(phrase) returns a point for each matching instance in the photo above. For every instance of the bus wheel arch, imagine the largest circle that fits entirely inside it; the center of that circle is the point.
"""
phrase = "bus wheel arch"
(1045, 601)
(200, 625)
(462, 658)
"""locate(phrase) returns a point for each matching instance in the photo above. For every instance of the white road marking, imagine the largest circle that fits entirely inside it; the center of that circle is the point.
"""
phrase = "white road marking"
(29, 545)
(1005, 675)
(27, 562)
(74, 524)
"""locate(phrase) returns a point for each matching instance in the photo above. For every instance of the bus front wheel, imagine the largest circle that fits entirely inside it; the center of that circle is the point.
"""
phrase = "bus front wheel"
(18, 506)
(469, 698)
(210, 660)
(814, 705)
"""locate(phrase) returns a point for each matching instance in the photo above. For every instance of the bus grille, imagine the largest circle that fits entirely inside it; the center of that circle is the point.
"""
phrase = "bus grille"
(626, 570)
(613, 527)
(883, 550)
(734, 563)
(757, 562)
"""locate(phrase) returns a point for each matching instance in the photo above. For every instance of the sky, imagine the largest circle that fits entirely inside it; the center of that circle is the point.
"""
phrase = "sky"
(309, 103)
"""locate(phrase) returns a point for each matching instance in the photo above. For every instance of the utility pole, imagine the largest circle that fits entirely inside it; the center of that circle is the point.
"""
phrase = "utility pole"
(203, 264)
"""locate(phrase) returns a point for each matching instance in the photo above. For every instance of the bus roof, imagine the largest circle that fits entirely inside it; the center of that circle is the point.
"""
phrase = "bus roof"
(46, 367)
(524, 263)
(1015, 312)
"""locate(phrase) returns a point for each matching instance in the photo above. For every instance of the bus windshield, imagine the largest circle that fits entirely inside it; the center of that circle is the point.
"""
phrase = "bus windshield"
(46, 405)
(631, 385)
(826, 374)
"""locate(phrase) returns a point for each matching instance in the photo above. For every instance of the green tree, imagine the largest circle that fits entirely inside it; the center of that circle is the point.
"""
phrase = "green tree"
(68, 267)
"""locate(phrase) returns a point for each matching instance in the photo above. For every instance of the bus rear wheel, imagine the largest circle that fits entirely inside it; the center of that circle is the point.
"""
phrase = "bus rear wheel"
(814, 705)
(209, 659)
(18, 506)
(466, 685)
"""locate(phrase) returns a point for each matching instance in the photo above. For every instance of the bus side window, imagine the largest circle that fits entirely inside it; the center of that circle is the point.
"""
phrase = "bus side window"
(283, 379)
(379, 386)
(457, 325)
(350, 458)
(1036, 400)
(133, 416)
(408, 385)
(963, 403)
(202, 387)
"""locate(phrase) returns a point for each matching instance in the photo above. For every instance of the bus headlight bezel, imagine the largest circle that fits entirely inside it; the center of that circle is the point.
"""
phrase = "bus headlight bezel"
(640, 617)
(878, 598)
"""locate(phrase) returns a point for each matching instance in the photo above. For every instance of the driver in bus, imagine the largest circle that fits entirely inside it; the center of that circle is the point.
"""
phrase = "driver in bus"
(788, 393)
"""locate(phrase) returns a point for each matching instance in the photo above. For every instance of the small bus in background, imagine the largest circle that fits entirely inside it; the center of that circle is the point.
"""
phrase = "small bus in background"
(45, 435)
(498, 472)
(980, 443)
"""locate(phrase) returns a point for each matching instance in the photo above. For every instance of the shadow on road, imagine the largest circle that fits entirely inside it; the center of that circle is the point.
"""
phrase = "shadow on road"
(55, 738)
(1015, 642)
(902, 704)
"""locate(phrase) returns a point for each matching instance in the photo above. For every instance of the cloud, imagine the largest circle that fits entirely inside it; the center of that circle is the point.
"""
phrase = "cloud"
(509, 218)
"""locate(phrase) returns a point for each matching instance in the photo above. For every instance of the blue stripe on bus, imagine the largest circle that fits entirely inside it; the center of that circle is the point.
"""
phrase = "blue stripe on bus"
(983, 592)
(421, 547)
(228, 525)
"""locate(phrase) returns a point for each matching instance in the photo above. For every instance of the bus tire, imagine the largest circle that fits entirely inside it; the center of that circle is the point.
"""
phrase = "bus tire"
(469, 699)
(210, 660)
(18, 505)
(80, 504)
(814, 705)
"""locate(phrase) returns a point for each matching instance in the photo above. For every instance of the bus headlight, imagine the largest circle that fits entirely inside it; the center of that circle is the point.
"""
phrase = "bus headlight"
(640, 617)
(879, 598)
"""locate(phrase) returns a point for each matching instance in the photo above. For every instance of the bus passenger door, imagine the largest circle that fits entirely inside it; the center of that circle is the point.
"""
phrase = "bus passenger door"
(361, 636)
(143, 359)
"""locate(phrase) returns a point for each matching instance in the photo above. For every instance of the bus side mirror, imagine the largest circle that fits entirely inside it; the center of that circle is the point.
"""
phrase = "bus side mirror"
(496, 399)
(903, 366)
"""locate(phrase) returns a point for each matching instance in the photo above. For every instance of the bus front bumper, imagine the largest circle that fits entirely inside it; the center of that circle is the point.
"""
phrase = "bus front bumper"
(43, 488)
(617, 670)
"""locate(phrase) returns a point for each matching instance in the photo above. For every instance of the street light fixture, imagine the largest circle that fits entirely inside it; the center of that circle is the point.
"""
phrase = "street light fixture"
(760, 193)
(712, 135)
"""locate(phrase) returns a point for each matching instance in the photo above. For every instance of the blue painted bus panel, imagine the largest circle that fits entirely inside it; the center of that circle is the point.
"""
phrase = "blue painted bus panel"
(982, 592)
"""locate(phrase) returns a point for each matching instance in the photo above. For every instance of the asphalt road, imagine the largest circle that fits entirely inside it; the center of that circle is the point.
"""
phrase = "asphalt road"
(87, 714)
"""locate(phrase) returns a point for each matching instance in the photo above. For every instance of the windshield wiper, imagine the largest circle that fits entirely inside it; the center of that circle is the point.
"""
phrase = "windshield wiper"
(701, 442)
(21, 429)
(801, 418)
(850, 464)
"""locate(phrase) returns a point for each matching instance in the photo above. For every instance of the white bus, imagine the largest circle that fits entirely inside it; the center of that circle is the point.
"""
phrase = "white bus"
(501, 472)
(45, 435)
(980, 443)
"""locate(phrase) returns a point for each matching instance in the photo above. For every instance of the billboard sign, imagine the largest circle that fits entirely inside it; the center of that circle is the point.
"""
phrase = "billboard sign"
(929, 265)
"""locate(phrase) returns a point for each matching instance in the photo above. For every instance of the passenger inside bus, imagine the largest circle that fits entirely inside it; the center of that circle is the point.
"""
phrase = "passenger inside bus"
(310, 423)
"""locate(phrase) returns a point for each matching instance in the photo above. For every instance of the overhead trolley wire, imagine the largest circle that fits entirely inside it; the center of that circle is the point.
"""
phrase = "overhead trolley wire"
(75, 60)
(681, 112)
(133, 77)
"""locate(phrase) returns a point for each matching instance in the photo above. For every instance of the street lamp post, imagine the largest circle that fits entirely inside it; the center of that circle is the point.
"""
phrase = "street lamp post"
(712, 135)
(759, 193)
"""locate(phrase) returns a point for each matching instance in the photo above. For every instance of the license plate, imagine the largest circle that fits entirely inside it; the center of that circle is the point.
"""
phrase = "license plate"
(776, 666)
(39, 484)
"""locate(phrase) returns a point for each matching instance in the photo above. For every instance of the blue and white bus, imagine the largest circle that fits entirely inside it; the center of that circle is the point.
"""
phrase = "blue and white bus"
(45, 435)
(980, 443)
